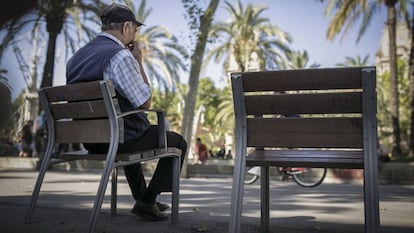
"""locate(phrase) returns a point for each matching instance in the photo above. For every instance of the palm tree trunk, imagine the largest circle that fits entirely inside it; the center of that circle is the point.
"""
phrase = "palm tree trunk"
(394, 103)
(47, 79)
(196, 61)
(32, 90)
(55, 17)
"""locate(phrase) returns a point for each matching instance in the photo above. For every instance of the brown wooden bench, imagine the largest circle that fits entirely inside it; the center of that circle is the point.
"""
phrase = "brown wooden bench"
(336, 127)
(89, 113)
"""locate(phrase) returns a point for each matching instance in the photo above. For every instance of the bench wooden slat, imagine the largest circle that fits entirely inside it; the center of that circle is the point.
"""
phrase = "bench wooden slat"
(86, 131)
(316, 103)
(76, 110)
(82, 91)
(306, 79)
(305, 132)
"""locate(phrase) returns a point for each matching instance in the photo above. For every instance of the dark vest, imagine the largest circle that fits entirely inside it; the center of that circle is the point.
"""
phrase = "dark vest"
(89, 63)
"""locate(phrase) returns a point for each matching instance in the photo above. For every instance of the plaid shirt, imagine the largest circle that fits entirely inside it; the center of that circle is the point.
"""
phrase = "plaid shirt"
(124, 72)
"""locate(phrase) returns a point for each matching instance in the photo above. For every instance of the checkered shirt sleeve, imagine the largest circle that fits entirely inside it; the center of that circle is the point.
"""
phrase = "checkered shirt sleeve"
(124, 72)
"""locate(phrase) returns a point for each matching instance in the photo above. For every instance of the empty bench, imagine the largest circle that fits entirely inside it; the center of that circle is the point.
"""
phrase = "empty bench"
(305, 118)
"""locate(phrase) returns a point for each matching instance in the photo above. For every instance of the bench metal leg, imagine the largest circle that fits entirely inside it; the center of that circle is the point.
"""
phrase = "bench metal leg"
(114, 192)
(175, 189)
(371, 207)
(371, 197)
(237, 192)
(39, 181)
(109, 165)
(264, 197)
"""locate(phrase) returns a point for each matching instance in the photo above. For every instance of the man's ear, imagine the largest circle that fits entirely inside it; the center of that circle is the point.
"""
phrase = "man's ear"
(125, 27)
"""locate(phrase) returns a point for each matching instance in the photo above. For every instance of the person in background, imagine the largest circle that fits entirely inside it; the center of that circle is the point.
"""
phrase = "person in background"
(229, 155)
(26, 140)
(201, 151)
(220, 154)
(115, 55)
(40, 135)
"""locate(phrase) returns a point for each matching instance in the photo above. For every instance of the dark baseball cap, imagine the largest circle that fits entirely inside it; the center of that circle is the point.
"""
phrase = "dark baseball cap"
(117, 13)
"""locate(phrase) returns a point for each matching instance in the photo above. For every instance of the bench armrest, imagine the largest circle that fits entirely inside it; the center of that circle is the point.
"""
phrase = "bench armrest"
(162, 134)
(124, 114)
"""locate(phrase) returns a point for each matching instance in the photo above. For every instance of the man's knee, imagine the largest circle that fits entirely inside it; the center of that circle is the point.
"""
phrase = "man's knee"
(176, 140)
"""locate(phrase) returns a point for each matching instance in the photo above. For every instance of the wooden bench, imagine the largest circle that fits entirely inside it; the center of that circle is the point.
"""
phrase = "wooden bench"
(336, 127)
(89, 113)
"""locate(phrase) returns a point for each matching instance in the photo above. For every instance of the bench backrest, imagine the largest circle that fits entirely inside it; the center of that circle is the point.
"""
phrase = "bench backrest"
(307, 108)
(82, 113)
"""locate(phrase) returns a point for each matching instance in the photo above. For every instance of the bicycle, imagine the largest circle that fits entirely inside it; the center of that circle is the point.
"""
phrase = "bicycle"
(303, 176)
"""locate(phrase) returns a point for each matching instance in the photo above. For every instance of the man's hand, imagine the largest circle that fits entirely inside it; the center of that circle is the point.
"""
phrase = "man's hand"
(136, 51)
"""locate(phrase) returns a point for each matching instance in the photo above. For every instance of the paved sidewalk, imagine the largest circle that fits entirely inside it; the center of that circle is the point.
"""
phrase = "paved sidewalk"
(66, 198)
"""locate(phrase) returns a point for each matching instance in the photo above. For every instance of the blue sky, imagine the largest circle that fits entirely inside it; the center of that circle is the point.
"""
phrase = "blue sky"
(303, 19)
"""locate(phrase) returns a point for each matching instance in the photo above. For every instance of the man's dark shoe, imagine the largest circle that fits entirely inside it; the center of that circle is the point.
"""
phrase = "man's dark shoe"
(149, 212)
(162, 206)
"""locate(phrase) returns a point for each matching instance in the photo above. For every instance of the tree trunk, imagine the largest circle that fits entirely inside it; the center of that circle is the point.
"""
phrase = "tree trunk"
(32, 89)
(55, 18)
(411, 72)
(47, 79)
(196, 61)
(394, 102)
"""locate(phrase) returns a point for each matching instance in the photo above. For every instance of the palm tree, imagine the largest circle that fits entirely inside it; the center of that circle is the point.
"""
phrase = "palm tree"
(295, 60)
(247, 35)
(348, 13)
(225, 111)
(163, 56)
(353, 62)
(71, 18)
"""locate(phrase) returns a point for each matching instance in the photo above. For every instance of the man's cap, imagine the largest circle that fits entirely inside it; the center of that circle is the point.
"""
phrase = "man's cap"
(117, 13)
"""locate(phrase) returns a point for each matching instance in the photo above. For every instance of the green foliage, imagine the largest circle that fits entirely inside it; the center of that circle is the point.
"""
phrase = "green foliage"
(384, 115)
(223, 119)
(8, 127)
(383, 112)
(209, 97)
(404, 98)
(171, 104)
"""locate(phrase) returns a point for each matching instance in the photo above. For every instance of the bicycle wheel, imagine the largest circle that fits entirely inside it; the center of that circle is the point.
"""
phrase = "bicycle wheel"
(308, 177)
(252, 174)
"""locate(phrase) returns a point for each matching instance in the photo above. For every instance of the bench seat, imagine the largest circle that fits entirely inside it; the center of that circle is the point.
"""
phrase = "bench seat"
(126, 157)
(307, 158)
